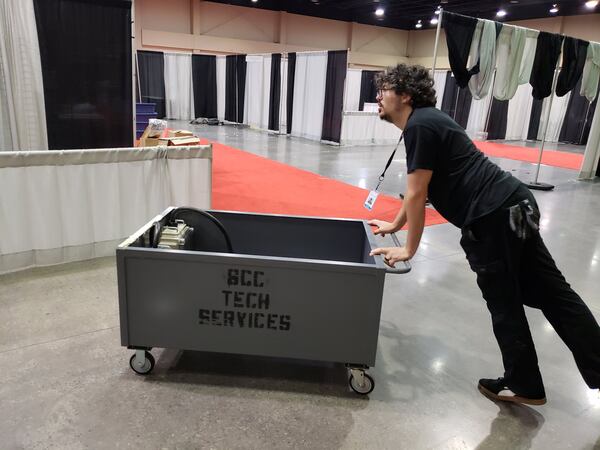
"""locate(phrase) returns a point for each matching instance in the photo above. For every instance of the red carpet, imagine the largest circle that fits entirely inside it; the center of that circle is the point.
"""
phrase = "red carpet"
(246, 182)
(552, 158)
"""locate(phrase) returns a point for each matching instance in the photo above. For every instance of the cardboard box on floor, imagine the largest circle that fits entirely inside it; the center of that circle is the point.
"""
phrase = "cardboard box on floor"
(150, 137)
(175, 141)
(180, 133)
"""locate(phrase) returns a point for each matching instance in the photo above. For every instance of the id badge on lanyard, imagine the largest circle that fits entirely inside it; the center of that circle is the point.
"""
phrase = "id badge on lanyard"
(372, 197)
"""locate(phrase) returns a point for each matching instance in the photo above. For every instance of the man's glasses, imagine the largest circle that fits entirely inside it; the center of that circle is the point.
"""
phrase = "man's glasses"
(382, 90)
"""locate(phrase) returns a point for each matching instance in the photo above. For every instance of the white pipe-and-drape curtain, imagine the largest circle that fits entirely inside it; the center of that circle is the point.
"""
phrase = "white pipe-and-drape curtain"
(22, 108)
(309, 95)
(283, 96)
(439, 84)
(592, 149)
(257, 92)
(79, 204)
(478, 115)
(557, 116)
(221, 71)
(519, 112)
(352, 90)
(179, 88)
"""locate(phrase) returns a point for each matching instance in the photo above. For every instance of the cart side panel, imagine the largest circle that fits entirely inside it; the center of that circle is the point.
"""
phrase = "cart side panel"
(252, 306)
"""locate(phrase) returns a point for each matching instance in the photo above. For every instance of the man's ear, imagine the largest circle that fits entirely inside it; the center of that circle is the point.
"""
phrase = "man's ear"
(406, 99)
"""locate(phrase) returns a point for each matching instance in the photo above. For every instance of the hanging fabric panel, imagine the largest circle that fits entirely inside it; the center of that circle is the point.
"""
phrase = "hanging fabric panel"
(235, 88)
(256, 103)
(352, 95)
(511, 44)
(309, 95)
(578, 118)
(368, 90)
(544, 64)
(275, 92)
(86, 60)
(337, 66)
(179, 88)
(291, 77)
(591, 72)
(574, 56)
(519, 111)
(498, 119)
(459, 35)
(483, 51)
(151, 72)
(204, 76)
(22, 108)
(221, 70)
(531, 37)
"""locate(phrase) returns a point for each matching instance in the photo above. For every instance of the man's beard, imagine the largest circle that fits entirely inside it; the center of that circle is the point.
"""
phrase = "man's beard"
(386, 117)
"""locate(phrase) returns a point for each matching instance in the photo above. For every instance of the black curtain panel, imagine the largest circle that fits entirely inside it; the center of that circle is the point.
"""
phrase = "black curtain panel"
(534, 119)
(204, 77)
(496, 128)
(151, 73)
(337, 66)
(459, 33)
(578, 118)
(456, 102)
(275, 92)
(291, 74)
(368, 90)
(85, 49)
(235, 87)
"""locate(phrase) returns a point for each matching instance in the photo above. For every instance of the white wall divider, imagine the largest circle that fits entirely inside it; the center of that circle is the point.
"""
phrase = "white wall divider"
(309, 95)
(439, 84)
(366, 128)
(221, 66)
(352, 90)
(73, 205)
(519, 112)
(179, 88)
(257, 92)
(557, 116)
(478, 117)
(22, 108)
(592, 149)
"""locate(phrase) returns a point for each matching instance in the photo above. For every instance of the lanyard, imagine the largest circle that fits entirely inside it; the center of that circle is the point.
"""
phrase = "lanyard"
(382, 176)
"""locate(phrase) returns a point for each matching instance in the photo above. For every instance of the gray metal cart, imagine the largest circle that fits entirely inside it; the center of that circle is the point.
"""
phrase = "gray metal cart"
(293, 287)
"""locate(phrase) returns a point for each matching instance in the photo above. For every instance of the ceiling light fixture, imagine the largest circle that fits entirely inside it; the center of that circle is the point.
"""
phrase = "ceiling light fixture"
(437, 11)
(554, 9)
(419, 24)
(379, 12)
(434, 21)
(501, 13)
(591, 4)
(254, 1)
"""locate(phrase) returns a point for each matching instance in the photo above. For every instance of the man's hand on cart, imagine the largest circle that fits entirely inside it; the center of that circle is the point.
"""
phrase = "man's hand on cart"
(383, 227)
(392, 255)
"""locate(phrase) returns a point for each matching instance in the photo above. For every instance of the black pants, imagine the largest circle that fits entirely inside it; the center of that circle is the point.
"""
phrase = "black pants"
(512, 273)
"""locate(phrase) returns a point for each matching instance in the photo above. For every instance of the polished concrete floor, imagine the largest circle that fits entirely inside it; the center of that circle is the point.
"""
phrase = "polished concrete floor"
(65, 381)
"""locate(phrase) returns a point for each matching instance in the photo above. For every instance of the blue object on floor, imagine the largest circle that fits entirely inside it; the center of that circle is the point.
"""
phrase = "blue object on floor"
(143, 113)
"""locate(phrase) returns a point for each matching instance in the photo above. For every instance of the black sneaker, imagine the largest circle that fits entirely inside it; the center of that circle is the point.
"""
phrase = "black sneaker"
(497, 390)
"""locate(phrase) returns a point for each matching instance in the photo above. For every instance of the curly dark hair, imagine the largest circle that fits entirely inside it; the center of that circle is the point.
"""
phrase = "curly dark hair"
(411, 80)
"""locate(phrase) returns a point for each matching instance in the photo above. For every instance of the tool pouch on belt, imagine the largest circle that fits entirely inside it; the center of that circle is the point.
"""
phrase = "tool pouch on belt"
(524, 219)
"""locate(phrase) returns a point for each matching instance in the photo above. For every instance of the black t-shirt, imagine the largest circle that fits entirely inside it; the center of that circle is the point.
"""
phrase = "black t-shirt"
(465, 184)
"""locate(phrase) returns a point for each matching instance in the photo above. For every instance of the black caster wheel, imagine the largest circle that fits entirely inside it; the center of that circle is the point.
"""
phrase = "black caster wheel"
(144, 366)
(366, 388)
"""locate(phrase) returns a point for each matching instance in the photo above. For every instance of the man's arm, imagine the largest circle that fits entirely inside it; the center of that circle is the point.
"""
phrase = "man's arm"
(413, 211)
(414, 204)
